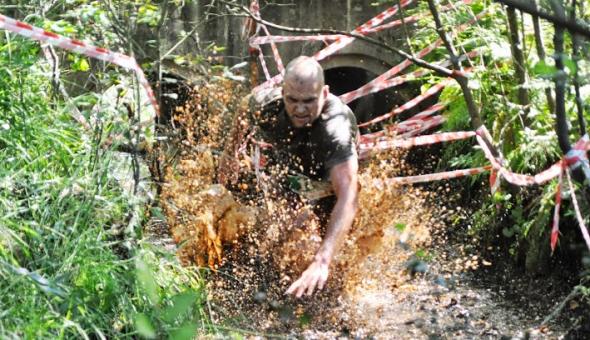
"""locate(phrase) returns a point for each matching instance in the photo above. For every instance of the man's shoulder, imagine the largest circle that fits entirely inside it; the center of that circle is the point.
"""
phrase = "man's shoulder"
(334, 107)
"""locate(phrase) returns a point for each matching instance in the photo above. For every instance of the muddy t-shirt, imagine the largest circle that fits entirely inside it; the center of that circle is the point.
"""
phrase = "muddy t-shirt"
(312, 150)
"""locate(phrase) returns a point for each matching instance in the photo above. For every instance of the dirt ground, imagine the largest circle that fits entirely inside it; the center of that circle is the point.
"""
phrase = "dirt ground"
(414, 284)
(406, 271)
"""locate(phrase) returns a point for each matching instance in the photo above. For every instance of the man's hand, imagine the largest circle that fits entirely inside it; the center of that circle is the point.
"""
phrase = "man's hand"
(315, 275)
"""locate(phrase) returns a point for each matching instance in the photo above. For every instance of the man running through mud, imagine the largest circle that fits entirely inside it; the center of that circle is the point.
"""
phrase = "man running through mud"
(314, 134)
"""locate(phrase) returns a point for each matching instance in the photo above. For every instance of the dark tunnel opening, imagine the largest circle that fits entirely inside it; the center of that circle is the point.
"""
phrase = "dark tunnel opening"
(348, 78)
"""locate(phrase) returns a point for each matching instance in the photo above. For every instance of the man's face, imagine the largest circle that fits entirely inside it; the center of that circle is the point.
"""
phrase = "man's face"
(303, 100)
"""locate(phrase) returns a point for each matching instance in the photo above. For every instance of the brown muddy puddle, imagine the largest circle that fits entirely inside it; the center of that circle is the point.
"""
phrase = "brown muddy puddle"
(384, 283)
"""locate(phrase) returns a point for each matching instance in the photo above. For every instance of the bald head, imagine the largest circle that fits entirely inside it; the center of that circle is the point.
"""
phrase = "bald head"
(305, 69)
(304, 92)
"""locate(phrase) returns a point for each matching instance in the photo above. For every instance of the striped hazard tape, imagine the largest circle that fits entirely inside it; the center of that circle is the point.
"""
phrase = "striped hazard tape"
(410, 104)
(256, 41)
(382, 183)
(341, 43)
(579, 217)
(80, 47)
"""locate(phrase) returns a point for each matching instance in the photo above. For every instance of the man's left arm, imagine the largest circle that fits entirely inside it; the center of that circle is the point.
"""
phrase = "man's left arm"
(344, 178)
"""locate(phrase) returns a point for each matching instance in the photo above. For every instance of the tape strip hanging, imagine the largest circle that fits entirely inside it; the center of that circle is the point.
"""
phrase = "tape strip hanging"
(579, 217)
(80, 47)
(412, 103)
(404, 126)
(555, 227)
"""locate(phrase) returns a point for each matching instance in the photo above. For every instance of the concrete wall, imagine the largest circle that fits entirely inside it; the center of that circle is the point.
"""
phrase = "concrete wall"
(350, 68)
(334, 14)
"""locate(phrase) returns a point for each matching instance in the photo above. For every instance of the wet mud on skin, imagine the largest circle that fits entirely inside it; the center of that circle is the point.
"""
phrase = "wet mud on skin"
(401, 273)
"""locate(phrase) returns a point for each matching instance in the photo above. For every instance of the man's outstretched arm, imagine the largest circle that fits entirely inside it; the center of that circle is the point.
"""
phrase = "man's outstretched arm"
(344, 178)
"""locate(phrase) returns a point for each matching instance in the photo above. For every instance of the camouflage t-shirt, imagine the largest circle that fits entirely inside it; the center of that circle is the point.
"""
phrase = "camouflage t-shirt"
(312, 150)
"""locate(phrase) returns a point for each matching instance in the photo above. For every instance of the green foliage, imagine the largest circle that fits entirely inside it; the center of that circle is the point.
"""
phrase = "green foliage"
(173, 309)
(64, 272)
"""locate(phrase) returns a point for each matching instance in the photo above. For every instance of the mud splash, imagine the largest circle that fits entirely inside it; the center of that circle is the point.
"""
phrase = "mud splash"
(259, 242)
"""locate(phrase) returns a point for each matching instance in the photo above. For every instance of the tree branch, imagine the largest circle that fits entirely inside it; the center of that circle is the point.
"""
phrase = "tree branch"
(463, 81)
(440, 70)
(518, 57)
(562, 21)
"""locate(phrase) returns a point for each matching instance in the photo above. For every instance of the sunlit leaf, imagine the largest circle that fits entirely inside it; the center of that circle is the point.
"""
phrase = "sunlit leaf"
(544, 70)
(186, 332)
(146, 280)
(181, 303)
(144, 326)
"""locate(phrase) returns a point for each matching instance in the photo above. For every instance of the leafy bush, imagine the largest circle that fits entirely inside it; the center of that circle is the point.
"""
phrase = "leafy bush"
(66, 269)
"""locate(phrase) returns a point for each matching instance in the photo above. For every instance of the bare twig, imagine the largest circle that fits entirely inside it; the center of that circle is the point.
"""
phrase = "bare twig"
(53, 59)
(574, 293)
(121, 29)
(404, 26)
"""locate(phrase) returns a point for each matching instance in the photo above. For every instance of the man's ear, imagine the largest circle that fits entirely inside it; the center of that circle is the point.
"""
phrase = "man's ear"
(326, 91)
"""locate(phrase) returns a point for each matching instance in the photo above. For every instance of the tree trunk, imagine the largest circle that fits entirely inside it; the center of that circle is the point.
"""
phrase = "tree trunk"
(472, 108)
(542, 55)
(576, 80)
(519, 62)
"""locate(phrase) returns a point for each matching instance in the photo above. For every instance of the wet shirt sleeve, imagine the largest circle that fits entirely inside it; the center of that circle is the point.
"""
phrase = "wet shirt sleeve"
(341, 135)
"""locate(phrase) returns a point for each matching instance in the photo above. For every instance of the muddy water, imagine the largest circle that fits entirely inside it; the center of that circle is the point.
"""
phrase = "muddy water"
(388, 281)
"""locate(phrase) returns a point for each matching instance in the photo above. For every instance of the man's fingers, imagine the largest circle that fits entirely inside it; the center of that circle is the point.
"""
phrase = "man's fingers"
(311, 285)
(322, 282)
(300, 291)
(293, 287)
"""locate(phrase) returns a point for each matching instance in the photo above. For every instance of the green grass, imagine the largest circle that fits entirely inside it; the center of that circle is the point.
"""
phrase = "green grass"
(63, 273)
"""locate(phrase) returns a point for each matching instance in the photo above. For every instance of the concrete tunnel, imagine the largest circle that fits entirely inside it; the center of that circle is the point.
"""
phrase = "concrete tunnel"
(345, 73)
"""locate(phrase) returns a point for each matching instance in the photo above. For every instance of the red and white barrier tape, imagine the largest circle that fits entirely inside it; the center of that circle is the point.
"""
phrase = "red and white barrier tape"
(275, 52)
(80, 47)
(255, 10)
(555, 226)
(579, 217)
(412, 103)
(263, 64)
(382, 83)
(319, 37)
(257, 41)
(404, 126)
(379, 183)
(363, 30)
(417, 141)
(416, 17)
(341, 43)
